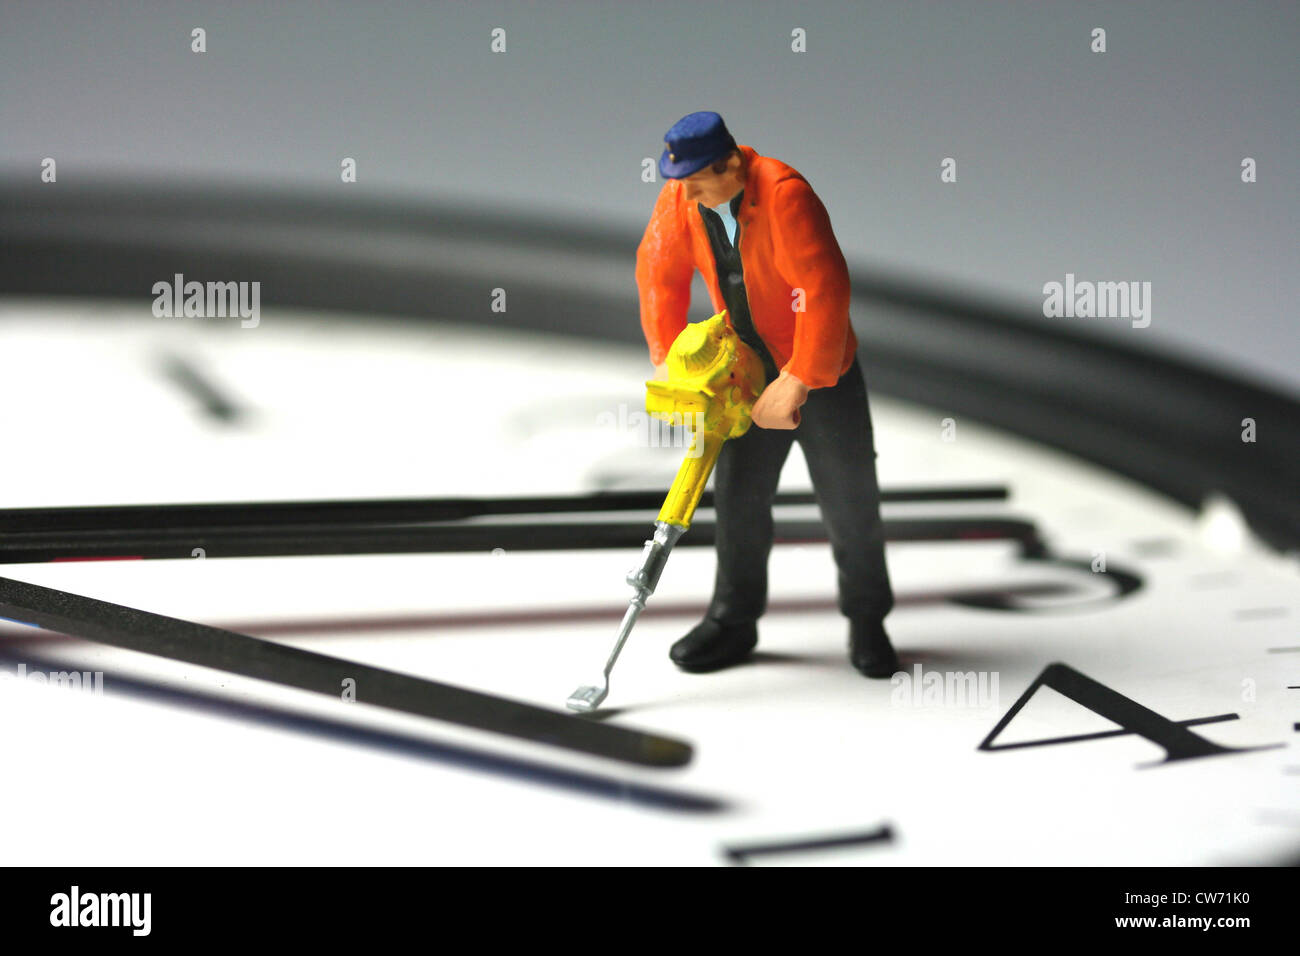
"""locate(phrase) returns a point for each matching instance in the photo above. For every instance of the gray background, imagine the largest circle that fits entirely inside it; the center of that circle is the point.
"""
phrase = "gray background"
(1115, 166)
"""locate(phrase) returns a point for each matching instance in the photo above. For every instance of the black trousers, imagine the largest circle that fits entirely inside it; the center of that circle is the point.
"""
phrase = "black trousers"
(835, 434)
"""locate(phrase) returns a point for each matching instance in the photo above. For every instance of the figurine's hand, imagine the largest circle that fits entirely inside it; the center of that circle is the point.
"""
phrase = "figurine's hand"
(661, 372)
(778, 406)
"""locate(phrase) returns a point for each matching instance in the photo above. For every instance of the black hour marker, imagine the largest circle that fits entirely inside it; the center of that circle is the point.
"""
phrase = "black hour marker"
(216, 403)
(742, 853)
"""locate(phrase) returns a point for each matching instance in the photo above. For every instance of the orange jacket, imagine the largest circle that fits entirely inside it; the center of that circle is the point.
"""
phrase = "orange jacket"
(786, 243)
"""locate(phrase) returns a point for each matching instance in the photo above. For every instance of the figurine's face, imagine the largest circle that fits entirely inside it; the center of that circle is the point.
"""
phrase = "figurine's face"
(716, 184)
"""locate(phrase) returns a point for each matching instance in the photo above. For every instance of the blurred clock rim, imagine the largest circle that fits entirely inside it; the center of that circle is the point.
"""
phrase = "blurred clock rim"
(1165, 421)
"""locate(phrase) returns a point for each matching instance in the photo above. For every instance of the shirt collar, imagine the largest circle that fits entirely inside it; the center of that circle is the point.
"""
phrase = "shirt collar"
(750, 194)
(732, 205)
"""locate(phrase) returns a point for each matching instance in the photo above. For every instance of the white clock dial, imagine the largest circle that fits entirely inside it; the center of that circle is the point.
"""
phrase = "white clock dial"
(792, 751)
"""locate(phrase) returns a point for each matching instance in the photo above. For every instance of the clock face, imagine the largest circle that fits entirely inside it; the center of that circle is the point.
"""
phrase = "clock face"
(1130, 697)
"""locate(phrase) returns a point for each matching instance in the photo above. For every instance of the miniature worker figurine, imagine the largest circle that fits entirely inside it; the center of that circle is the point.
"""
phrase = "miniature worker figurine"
(763, 242)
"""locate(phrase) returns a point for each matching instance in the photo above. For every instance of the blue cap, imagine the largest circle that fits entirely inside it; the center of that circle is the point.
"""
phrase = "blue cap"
(695, 141)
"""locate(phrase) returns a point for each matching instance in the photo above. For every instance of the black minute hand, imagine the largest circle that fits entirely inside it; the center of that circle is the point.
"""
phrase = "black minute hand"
(248, 656)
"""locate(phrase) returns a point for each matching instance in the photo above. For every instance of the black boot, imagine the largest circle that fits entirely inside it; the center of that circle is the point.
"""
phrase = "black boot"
(869, 648)
(712, 645)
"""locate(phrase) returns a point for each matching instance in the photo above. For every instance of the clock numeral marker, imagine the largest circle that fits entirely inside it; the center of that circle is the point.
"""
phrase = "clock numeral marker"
(216, 402)
(1174, 738)
(1103, 734)
(1124, 582)
(741, 854)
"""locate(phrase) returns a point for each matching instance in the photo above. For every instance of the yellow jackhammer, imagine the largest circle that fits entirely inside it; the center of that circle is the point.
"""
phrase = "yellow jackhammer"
(713, 381)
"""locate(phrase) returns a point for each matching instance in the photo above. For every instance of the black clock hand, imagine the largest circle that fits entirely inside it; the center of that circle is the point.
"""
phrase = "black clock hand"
(247, 656)
(405, 510)
(29, 535)
(403, 526)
